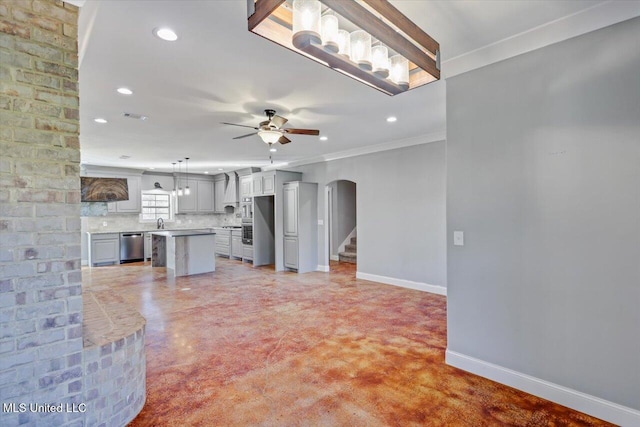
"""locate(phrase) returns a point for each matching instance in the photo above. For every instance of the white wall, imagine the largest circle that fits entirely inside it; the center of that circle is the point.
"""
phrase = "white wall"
(400, 211)
(543, 160)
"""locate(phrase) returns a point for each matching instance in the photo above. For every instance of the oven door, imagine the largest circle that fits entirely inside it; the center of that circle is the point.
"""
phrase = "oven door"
(247, 234)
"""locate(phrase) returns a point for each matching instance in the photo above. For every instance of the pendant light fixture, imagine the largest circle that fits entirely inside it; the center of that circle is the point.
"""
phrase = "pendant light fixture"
(329, 27)
(380, 61)
(187, 191)
(404, 56)
(173, 192)
(306, 20)
(180, 192)
(361, 49)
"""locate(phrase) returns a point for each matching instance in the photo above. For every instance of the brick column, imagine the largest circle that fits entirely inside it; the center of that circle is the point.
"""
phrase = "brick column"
(40, 278)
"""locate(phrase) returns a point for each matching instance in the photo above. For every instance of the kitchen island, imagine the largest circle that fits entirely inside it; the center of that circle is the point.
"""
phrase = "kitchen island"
(184, 252)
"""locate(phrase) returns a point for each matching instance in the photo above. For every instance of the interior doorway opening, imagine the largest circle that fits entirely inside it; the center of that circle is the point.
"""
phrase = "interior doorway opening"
(341, 237)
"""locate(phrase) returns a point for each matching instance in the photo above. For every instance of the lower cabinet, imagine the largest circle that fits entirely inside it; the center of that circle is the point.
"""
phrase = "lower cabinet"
(291, 252)
(223, 241)
(247, 252)
(104, 248)
(147, 246)
(236, 244)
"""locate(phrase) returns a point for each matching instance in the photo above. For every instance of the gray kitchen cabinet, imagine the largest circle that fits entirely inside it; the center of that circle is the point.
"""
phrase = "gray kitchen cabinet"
(290, 205)
(104, 248)
(147, 246)
(256, 184)
(236, 243)
(223, 241)
(205, 196)
(300, 226)
(291, 252)
(219, 188)
(201, 198)
(264, 183)
(133, 204)
(247, 252)
(245, 186)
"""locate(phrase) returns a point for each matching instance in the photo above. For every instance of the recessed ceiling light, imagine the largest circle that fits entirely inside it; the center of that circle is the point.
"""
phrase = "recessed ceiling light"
(125, 91)
(323, 138)
(273, 150)
(165, 34)
(220, 169)
(100, 120)
(206, 172)
(392, 119)
(151, 168)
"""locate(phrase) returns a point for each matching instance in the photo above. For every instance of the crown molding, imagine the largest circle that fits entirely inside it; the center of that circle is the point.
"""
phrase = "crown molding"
(369, 149)
(593, 18)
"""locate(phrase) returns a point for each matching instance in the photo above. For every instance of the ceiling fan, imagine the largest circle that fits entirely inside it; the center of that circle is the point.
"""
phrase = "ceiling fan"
(271, 130)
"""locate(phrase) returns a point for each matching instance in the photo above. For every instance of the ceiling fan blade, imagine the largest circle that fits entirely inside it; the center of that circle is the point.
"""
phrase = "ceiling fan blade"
(284, 140)
(278, 121)
(244, 136)
(302, 131)
(244, 126)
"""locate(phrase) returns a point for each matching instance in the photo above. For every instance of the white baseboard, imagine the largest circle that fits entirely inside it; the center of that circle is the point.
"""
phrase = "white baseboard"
(591, 405)
(425, 287)
(324, 268)
(334, 258)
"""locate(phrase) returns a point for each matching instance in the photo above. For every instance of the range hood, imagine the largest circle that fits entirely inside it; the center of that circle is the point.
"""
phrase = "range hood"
(94, 189)
(231, 190)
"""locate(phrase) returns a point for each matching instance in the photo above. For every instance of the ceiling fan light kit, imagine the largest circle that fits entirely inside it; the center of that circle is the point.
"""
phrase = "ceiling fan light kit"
(368, 40)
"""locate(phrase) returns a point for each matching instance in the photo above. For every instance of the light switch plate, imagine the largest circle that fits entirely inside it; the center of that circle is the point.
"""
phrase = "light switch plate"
(320, 222)
(458, 238)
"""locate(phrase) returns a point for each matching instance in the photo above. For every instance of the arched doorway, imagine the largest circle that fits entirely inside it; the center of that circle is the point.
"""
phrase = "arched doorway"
(341, 231)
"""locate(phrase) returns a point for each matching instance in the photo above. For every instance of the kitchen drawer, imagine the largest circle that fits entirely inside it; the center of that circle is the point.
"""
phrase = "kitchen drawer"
(105, 236)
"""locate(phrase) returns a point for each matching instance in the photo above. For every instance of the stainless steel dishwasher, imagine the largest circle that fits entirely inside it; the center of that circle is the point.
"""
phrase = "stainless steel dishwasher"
(131, 247)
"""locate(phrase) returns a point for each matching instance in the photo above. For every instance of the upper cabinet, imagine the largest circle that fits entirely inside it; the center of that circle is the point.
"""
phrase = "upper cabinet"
(263, 183)
(133, 204)
(134, 186)
(245, 186)
(219, 187)
(201, 198)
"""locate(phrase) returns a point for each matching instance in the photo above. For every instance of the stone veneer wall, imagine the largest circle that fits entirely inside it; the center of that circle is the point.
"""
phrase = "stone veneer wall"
(40, 278)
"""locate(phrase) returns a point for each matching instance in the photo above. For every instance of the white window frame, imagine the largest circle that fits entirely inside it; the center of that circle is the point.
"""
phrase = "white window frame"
(171, 199)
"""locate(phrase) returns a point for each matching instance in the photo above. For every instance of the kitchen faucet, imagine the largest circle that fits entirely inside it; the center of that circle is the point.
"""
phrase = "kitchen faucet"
(160, 223)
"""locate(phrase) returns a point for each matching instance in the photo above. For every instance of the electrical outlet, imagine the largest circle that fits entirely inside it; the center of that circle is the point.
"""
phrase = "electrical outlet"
(104, 223)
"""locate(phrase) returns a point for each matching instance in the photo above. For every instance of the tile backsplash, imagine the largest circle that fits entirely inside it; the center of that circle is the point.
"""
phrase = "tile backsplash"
(131, 222)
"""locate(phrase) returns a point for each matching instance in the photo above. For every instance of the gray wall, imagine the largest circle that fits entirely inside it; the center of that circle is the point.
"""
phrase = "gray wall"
(344, 212)
(400, 210)
(543, 176)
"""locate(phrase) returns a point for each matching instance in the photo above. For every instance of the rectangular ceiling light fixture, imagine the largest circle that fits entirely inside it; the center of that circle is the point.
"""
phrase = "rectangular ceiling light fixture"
(368, 40)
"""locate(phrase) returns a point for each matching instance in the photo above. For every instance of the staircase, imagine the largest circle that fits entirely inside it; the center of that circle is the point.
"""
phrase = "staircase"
(350, 252)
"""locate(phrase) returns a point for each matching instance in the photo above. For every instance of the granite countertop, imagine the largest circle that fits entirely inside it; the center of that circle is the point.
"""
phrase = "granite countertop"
(152, 231)
(181, 233)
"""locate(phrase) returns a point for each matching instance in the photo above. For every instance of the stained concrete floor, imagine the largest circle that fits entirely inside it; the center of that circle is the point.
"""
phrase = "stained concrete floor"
(248, 346)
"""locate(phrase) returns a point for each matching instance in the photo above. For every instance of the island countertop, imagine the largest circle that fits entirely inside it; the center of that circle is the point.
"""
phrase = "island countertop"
(181, 233)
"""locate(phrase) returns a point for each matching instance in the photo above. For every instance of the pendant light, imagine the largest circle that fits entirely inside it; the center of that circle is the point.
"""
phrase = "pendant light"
(344, 45)
(380, 61)
(187, 191)
(329, 27)
(180, 192)
(306, 20)
(173, 192)
(399, 73)
(361, 49)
